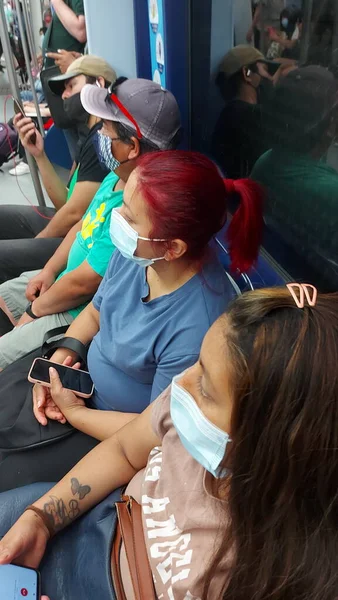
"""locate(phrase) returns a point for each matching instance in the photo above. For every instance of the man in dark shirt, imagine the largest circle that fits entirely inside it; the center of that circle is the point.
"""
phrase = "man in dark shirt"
(29, 235)
(245, 84)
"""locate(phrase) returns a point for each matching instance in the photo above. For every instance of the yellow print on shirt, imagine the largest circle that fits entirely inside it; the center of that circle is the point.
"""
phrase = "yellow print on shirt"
(89, 224)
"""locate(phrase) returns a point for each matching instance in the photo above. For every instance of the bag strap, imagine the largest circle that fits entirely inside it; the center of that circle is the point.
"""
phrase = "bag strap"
(49, 345)
(124, 524)
(145, 577)
(115, 565)
(130, 528)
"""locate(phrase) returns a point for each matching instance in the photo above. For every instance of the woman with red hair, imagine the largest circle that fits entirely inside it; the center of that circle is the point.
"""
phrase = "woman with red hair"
(162, 291)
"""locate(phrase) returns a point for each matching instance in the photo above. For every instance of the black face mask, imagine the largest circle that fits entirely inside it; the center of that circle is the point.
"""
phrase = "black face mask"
(265, 91)
(75, 111)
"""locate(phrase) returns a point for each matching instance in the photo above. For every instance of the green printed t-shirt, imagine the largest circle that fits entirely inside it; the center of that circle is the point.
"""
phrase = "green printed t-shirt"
(73, 182)
(93, 242)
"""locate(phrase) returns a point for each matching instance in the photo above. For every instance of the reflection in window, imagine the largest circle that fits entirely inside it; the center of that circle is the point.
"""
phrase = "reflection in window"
(280, 124)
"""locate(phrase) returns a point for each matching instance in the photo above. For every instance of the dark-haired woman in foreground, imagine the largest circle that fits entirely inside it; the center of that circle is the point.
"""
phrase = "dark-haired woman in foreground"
(236, 466)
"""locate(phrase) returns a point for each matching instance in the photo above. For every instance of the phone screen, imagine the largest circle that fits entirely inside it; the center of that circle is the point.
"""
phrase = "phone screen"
(18, 108)
(72, 379)
(17, 583)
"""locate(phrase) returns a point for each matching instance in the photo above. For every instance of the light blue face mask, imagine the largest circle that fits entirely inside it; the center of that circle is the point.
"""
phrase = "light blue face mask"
(105, 154)
(204, 441)
(125, 238)
(285, 22)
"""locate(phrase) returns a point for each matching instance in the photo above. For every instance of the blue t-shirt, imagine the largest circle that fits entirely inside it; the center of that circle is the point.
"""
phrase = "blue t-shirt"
(142, 345)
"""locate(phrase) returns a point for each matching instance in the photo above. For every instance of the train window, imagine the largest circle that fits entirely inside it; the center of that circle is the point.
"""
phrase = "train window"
(280, 125)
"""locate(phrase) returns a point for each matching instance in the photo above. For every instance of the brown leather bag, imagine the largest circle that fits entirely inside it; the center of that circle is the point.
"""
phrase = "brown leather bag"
(130, 531)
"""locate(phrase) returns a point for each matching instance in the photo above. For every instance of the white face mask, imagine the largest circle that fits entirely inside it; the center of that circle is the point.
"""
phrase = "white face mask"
(204, 441)
(125, 238)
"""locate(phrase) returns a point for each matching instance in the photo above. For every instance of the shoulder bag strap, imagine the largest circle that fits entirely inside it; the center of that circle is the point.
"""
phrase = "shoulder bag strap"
(115, 565)
(124, 525)
(49, 345)
(130, 528)
(143, 570)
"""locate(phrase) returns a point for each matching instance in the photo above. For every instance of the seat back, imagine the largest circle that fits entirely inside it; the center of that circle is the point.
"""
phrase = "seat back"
(56, 148)
(264, 273)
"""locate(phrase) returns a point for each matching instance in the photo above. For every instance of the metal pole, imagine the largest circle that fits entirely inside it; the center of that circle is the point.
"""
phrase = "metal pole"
(30, 38)
(29, 71)
(16, 93)
(42, 6)
(306, 31)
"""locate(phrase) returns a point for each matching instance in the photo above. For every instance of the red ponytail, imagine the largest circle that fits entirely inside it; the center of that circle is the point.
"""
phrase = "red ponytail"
(187, 199)
(246, 228)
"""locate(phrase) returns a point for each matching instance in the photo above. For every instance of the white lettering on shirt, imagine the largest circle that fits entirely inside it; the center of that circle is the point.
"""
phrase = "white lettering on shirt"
(169, 546)
(153, 472)
(157, 505)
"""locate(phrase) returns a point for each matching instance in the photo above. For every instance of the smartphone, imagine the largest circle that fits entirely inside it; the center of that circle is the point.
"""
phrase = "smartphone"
(19, 110)
(75, 380)
(19, 583)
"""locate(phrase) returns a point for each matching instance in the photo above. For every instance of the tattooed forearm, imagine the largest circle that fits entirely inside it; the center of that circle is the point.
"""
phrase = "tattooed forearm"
(60, 515)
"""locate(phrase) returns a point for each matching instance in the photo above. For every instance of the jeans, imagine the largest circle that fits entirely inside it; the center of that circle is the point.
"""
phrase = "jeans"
(27, 95)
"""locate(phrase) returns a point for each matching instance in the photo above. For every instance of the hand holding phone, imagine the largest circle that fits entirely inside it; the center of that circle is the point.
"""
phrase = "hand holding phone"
(26, 128)
(19, 583)
(19, 110)
(25, 542)
(77, 381)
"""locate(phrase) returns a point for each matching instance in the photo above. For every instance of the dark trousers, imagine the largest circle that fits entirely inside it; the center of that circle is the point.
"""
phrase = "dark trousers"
(19, 250)
(44, 463)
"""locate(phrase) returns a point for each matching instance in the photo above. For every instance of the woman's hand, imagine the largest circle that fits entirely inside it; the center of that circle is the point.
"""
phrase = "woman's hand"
(26, 541)
(64, 399)
(44, 407)
(25, 128)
